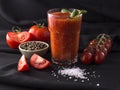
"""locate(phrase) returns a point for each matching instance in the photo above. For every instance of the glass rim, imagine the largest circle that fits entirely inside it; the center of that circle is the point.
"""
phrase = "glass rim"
(58, 9)
(52, 10)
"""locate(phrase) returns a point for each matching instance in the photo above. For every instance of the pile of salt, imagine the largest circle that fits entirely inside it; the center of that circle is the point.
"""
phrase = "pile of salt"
(74, 72)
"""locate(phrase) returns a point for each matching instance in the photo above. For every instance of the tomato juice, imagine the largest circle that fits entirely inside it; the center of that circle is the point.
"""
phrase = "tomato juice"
(64, 37)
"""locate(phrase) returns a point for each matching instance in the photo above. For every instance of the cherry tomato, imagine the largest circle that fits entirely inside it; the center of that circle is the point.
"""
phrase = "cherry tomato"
(13, 39)
(108, 44)
(103, 49)
(99, 57)
(90, 49)
(39, 62)
(93, 42)
(22, 64)
(86, 57)
(39, 32)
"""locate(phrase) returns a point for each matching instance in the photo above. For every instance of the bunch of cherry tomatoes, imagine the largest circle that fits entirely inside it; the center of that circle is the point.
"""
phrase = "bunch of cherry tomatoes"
(97, 50)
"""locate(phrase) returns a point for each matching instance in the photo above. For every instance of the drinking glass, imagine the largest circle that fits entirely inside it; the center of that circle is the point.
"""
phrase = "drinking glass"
(64, 36)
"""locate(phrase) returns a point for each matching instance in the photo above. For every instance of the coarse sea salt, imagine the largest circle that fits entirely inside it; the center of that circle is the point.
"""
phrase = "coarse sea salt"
(75, 72)
(77, 75)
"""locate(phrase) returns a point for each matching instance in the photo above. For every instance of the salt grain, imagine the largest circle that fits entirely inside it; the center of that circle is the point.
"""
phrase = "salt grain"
(82, 81)
(70, 77)
(98, 84)
(88, 72)
(74, 72)
(88, 79)
(75, 80)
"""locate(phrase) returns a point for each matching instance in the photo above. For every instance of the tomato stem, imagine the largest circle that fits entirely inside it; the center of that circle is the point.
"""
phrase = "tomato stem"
(39, 24)
(101, 39)
(16, 29)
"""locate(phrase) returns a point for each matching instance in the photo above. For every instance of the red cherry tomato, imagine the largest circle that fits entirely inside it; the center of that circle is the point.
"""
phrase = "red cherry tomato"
(103, 49)
(93, 42)
(38, 62)
(86, 57)
(99, 57)
(39, 32)
(13, 39)
(108, 44)
(90, 49)
(22, 64)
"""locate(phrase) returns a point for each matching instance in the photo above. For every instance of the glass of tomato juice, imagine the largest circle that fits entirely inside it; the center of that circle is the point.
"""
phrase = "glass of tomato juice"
(64, 36)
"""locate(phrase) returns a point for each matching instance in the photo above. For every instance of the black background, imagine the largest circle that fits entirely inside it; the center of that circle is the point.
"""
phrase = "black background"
(103, 16)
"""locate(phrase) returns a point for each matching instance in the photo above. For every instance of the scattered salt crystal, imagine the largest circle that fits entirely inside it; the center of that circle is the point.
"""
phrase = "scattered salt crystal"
(88, 72)
(75, 80)
(75, 72)
(94, 76)
(54, 74)
(82, 81)
(88, 79)
(98, 84)
(70, 77)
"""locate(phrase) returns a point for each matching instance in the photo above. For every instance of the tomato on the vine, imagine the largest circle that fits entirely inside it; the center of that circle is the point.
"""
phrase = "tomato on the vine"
(86, 57)
(90, 49)
(99, 57)
(99, 48)
(103, 49)
(108, 44)
(39, 32)
(93, 42)
(14, 38)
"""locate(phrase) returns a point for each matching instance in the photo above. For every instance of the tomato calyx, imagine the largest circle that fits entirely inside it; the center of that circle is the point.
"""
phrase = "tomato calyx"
(39, 24)
(16, 29)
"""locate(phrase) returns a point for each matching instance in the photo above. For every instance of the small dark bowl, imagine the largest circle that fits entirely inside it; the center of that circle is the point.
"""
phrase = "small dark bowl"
(30, 47)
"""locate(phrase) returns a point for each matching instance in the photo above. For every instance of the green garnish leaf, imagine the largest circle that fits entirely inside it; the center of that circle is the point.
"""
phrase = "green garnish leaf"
(64, 10)
(82, 11)
(74, 13)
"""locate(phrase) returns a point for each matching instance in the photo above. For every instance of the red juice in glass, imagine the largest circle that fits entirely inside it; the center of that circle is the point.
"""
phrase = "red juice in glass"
(64, 36)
